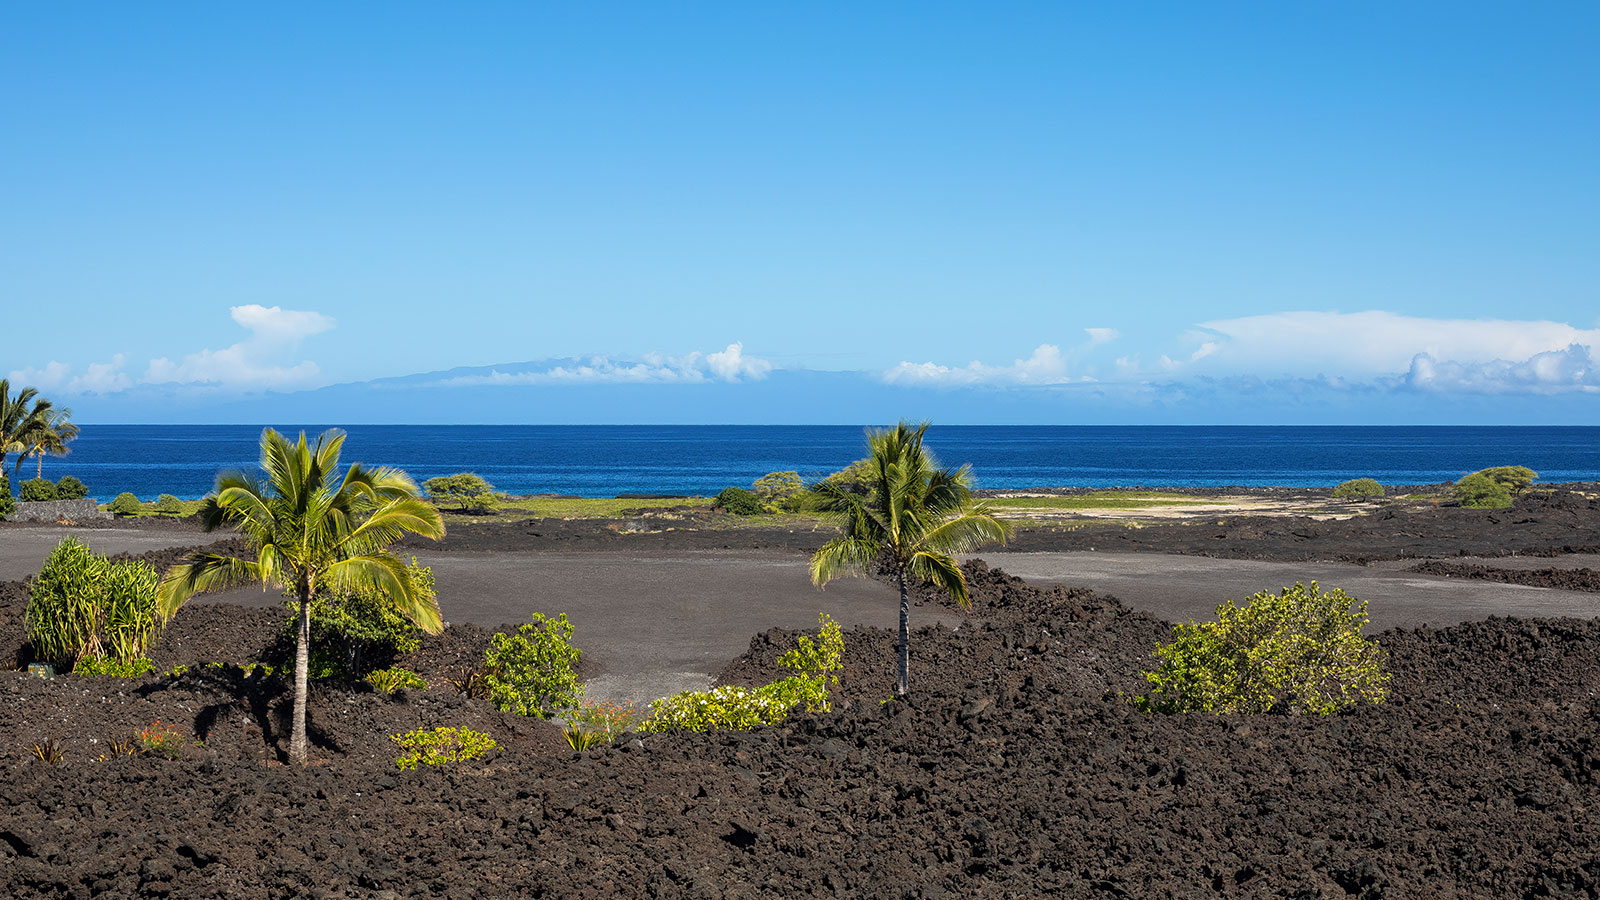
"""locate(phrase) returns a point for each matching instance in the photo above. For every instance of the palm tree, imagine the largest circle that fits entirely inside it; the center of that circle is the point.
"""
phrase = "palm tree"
(313, 529)
(19, 423)
(52, 439)
(911, 522)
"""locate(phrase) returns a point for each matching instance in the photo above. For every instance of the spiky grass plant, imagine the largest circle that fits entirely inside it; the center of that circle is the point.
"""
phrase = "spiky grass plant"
(128, 611)
(63, 614)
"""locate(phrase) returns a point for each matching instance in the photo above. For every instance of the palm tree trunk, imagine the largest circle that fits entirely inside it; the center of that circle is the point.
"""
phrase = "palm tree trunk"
(902, 687)
(302, 662)
(40, 472)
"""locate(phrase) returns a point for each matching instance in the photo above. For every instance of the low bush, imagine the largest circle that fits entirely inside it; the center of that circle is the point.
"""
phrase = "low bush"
(739, 502)
(168, 505)
(595, 722)
(162, 739)
(387, 681)
(779, 489)
(1479, 491)
(440, 746)
(355, 632)
(91, 665)
(1299, 650)
(8, 503)
(816, 665)
(38, 490)
(70, 488)
(125, 504)
(1358, 489)
(534, 672)
(81, 605)
(467, 490)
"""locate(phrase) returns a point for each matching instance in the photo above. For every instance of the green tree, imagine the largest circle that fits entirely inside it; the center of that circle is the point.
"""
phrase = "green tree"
(20, 423)
(1358, 489)
(70, 488)
(778, 488)
(1479, 491)
(467, 490)
(1515, 478)
(313, 528)
(915, 516)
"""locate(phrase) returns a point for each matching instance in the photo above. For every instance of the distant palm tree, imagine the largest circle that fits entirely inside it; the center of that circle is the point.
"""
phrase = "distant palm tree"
(52, 440)
(313, 529)
(19, 423)
(911, 522)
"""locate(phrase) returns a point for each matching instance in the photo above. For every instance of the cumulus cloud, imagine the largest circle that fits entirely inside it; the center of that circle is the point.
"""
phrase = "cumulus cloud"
(1552, 372)
(728, 365)
(1369, 343)
(262, 360)
(1047, 365)
(97, 378)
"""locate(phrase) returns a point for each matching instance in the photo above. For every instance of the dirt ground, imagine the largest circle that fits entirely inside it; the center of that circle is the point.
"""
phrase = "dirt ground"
(1017, 769)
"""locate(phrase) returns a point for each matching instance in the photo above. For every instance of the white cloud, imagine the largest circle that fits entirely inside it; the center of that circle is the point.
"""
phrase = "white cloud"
(1370, 343)
(262, 360)
(1047, 365)
(1552, 372)
(98, 378)
(1098, 336)
(729, 364)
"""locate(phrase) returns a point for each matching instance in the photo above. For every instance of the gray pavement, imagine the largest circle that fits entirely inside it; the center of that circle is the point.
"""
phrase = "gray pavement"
(1178, 588)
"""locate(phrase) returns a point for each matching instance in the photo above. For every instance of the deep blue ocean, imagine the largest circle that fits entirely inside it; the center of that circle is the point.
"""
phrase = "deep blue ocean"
(604, 461)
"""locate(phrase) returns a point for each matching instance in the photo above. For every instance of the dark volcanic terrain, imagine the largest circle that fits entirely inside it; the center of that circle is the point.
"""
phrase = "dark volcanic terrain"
(1017, 769)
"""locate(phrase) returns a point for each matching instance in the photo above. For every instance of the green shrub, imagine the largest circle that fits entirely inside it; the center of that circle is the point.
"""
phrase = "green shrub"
(1515, 479)
(92, 665)
(168, 505)
(81, 604)
(356, 632)
(815, 664)
(1299, 649)
(739, 502)
(534, 672)
(125, 504)
(70, 488)
(63, 614)
(440, 746)
(128, 609)
(1358, 489)
(38, 490)
(1479, 491)
(8, 503)
(858, 477)
(162, 739)
(387, 681)
(466, 490)
(779, 489)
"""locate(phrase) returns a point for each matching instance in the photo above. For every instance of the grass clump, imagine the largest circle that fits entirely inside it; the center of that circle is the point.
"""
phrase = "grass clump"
(441, 745)
(1297, 650)
(387, 681)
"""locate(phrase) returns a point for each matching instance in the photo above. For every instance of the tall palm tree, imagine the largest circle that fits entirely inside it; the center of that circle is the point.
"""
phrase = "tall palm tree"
(913, 520)
(313, 529)
(19, 423)
(53, 438)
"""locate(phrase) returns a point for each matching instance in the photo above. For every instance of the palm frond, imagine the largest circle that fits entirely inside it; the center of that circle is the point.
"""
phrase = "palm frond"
(386, 575)
(965, 532)
(842, 557)
(203, 572)
(943, 571)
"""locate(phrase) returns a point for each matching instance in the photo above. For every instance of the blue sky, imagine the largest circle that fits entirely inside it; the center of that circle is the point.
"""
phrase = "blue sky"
(1043, 213)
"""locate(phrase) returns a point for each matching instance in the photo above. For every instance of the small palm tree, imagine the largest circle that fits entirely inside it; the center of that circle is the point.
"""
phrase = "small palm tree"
(19, 423)
(52, 439)
(911, 521)
(313, 529)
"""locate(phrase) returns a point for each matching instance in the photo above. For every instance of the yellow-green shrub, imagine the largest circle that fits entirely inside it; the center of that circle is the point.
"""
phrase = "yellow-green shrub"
(534, 672)
(441, 745)
(1358, 489)
(1300, 649)
(388, 681)
(816, 665)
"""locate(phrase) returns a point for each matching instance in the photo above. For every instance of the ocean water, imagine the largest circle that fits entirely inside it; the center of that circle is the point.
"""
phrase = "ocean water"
(604, 461)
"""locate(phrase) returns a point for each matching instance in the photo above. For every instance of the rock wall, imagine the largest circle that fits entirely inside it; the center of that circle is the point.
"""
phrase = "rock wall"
(55, 510)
